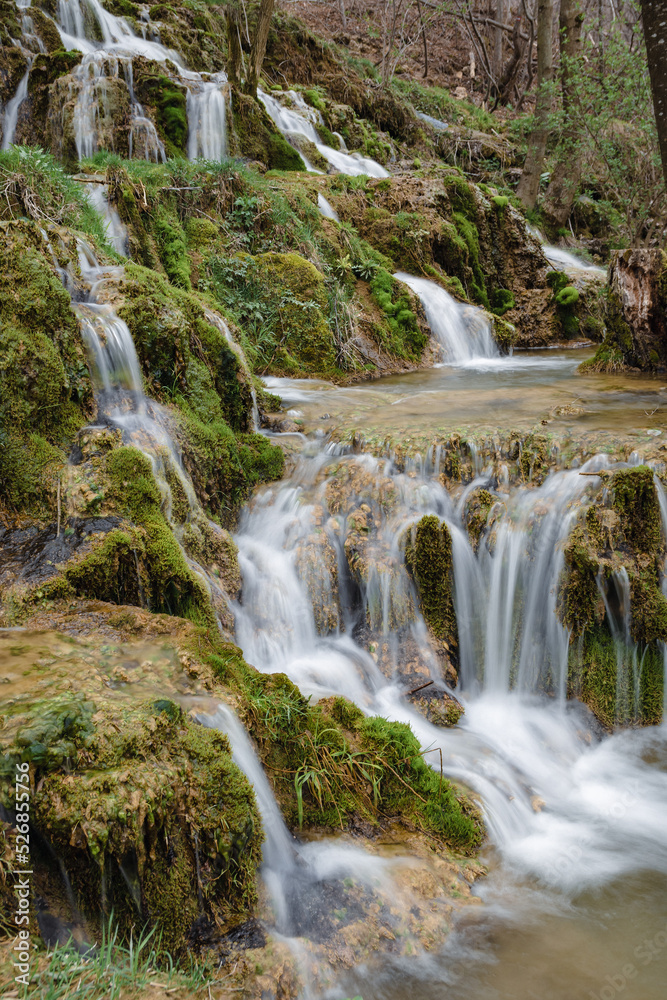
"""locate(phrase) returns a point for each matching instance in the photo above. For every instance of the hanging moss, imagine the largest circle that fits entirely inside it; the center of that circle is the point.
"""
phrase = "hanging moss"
(468, 232)
(635, 498)
(580, 604)
(428, 556)
(168, 100)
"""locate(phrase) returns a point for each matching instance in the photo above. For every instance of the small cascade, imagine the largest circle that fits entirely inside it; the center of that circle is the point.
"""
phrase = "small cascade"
(207, 129)
(80, 23)
(115, 229)
(562, 260)
(463, 331)
(11, 115)
(326, 209)
(301, 122)
(121, 402)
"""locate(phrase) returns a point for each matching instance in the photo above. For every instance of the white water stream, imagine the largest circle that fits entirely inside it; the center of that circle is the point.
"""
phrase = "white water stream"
(109, 46)
(463, 331)
(297, 119)
(573, 817)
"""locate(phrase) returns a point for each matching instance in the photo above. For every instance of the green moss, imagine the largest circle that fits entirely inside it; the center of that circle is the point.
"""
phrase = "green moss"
(280, 301)
(580, 605)
(169, 103)
(45, 390)
(568, 296)
(183, 355)
(461, 195)
(172, 248)
(500, 202)
(635, 498)
(502, 300)
(594, 678)
(478, 507)
(405, 338)
(428, 556)
(534, 460)
(468, 233)
(258, 138)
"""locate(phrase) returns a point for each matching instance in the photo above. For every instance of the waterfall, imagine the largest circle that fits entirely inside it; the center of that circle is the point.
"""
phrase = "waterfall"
(298, 876)
(80, 22)
(301, 122)
(512, 746)
(463, 331)
(115, 229)
(11, 115)
(122, 403)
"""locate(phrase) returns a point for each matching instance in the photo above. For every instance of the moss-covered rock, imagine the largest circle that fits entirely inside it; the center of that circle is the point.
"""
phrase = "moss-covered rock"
(143, 807)
(257, 138)
(428, 555)
(616, 549)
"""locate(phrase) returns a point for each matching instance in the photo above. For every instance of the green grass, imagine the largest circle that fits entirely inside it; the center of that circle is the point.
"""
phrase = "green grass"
(113, 971)
(37, 188)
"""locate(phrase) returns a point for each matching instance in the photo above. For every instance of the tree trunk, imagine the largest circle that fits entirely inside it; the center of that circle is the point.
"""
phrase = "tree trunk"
(343, 14)
(258, 50)
(498, 40)
(654, 16)
(565, 178)
(529, 184)
(233, 45)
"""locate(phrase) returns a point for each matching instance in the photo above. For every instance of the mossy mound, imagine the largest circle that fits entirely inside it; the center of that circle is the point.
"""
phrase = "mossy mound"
(281, 300)
(143, 807)
(428, 556)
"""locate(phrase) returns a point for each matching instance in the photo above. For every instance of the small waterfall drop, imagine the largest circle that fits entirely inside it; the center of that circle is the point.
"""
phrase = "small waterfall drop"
(80, 23)
(463, 331)
(207, 126)
(115, 229)
(11, 115)
(299, 876)
(326, 209)
(301, 122)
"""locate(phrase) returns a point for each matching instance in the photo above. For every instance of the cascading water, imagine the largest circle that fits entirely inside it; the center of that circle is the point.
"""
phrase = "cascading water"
(115, 229)
(11, 115)
(571, 817)
(207, 128)
(300, 119)
(122, 403)
(326, 209)
(462, 331)
(81, 23)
